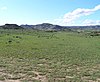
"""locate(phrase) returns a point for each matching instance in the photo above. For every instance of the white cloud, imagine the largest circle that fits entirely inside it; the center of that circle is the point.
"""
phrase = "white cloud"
(70, 17)
(4, 8)
(91, 22)
(97, 8)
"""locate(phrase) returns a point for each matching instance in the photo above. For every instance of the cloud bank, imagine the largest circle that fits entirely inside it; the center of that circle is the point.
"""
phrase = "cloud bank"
(70, 17)
(91, 22)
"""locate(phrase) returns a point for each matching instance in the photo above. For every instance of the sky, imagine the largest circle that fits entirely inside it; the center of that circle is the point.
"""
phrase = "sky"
(61, 12)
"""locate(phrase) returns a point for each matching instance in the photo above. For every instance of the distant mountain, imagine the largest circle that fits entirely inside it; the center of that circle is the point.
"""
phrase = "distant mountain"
(11, 26)
(74, 28)
(45, 26)
(27, 26)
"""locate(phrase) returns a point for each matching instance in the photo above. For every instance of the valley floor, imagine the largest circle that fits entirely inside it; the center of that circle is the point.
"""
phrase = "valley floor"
(38, 56)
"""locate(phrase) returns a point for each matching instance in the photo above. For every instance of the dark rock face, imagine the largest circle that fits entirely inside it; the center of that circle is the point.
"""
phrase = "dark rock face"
(11, 26)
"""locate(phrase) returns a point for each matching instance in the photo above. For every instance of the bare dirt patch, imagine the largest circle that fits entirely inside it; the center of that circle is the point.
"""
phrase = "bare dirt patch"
(40, 77)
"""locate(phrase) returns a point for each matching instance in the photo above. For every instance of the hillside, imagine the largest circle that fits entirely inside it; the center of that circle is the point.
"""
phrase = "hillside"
(44, 26)
(47, 26)
(11, 26)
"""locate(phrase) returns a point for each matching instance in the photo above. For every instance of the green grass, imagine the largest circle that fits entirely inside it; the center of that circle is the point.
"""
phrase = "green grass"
(54, 57)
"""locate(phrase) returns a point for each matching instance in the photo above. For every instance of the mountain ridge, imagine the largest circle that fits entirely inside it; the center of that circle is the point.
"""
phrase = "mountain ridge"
(48, 26)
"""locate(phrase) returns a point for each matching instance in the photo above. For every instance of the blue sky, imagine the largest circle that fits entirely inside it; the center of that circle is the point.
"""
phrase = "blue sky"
(62, 12)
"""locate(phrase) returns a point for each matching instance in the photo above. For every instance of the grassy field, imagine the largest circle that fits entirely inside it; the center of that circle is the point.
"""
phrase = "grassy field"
(38, 56)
